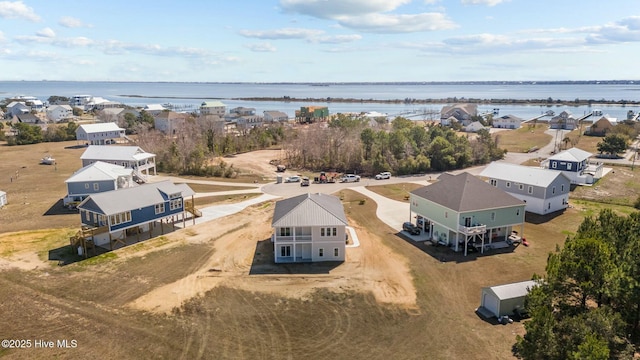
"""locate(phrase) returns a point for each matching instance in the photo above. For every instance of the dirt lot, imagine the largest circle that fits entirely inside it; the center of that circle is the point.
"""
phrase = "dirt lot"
(212, 290)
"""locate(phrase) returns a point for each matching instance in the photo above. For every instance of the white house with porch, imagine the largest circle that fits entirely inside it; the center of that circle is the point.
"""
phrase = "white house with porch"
(133, 157)
(99, 134)
(576, 165)
(309, 228)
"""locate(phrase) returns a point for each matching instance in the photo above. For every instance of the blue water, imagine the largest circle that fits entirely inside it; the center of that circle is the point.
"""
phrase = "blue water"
(192, 94)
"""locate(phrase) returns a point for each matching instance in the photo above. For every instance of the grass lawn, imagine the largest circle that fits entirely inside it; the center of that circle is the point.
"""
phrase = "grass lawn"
(399, 191)
(206, 188)
(223, 199)
(523, 139)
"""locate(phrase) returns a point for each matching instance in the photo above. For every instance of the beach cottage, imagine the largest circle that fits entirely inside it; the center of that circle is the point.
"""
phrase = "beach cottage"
(309, 228)
(462, 211)
(95, 178)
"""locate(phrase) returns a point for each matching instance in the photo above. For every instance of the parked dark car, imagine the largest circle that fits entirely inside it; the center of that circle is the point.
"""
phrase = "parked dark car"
(410, 228)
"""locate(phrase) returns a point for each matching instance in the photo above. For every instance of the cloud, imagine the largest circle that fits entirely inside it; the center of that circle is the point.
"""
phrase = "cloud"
(279, 34)
(2, 38)
(71, 22)
(336, 39)
(483, 2)
(46, 32)
(261, 47)
(17, 10)
(332, 9)
(381, 23)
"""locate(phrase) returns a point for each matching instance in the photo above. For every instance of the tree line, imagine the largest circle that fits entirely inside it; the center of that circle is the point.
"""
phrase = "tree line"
(404, 147)
(588, 305)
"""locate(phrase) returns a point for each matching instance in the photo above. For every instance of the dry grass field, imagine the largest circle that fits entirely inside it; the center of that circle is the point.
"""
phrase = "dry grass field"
(523, 139)
(212, 290)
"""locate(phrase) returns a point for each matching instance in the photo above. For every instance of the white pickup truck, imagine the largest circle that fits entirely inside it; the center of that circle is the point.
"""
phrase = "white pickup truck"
(350, 178)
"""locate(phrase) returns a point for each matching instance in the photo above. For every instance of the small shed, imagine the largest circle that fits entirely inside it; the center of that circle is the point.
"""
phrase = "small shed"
(3, 198)
(505, 299)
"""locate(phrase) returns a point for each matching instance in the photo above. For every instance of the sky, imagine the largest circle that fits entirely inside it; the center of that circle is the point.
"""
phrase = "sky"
(320, 40)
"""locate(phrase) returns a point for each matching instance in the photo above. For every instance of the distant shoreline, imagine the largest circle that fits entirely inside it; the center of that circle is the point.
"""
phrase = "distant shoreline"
(536, 102)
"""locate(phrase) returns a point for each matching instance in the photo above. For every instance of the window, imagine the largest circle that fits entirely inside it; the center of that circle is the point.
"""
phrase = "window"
(493, 182)
(334, 231)
(87, 215)
(336, 252)
(520, 187)
(518, 212)
(562, 188)
(508, 184)
(175, 204)
(285, 231)
(493, 216)
(120, 218)
(530, 189)
(568, 166)
(86, 186)
(159, 208)
(96, 186)
(553, 190)
(554, 164)
(321, 231)
(321, 252)
(285, 251)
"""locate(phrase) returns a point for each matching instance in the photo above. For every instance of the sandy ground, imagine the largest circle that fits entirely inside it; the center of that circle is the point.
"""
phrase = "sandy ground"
(256, 162)
(243, 260)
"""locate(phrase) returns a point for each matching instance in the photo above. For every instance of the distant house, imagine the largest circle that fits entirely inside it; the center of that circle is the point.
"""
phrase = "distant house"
(275, 116)
(248, 122)
(57, 113)
(574, 163)
(462, 211)
(462, 113)
(16, 108)
(154, 109)
(505, 299)
(96, 178)
(309, 114)
(507, 122)
(211, 122)
(170, 122)
(3, 199)
(309, 228)
(99, 134)
(243, 111)
(28, 118)
(132, 157)
(542, 190)
(80, 101)
(563, 121)
(474, 127)
(601, 126)
(213, 108)
(113, 215)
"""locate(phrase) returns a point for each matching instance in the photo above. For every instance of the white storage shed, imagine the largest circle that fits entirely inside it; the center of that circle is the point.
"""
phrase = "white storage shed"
(505, 299)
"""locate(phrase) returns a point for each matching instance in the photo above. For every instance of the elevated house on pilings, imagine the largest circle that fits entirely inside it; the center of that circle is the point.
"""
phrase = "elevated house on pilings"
(462, 211)
(117, 218)
(311, 114)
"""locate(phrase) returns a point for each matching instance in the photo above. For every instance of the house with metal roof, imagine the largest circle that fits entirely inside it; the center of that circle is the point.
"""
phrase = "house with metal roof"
(505, 299)
(275, 116)
(602, 126)
(309, 228)
(565, 121)
(133, 157)
(507, 122)
(99, 134)
(462, 211)
(542, 190)
(213, 108)
(576, 165)
(170, 122)
(110, 217)
(461, 113)
(95, 178)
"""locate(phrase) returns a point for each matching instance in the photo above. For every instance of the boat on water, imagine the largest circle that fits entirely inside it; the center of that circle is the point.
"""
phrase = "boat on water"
(48, 160)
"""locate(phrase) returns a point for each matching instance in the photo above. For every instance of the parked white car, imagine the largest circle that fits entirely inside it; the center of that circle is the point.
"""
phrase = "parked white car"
(294, 178)
(383, 175)
(350, 178)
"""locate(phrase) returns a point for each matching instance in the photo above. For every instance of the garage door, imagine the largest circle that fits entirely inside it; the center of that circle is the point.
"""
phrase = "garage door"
(490, 303)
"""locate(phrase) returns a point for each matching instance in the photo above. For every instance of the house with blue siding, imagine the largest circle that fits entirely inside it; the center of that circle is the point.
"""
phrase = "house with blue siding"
(309, 228)
(114, 215)
(95, 178)
(461, 211)
(575, 164)
(132, 157)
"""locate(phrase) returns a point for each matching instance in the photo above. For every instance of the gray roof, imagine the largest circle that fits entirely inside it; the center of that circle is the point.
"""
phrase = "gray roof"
(465, 192)
(528, 175)
(127, 199)
(514, 290)
(309, 210)
(573, 154)
(115, 152)
(100, 127)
